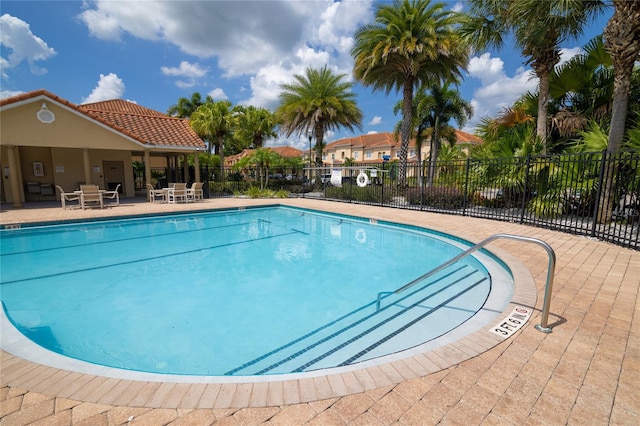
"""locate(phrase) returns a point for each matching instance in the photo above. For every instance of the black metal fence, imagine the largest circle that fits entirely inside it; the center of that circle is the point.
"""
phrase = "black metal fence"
(592, 194)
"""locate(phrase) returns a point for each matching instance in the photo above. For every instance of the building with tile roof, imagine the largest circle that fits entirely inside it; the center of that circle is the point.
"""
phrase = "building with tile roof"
(46, 140)
(283, 151)
(378, 147)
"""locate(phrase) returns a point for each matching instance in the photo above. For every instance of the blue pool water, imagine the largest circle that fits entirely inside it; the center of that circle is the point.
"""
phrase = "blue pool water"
(238, 292)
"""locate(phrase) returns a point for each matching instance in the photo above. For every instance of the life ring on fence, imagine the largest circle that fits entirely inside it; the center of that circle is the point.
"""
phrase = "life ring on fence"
(362, 180)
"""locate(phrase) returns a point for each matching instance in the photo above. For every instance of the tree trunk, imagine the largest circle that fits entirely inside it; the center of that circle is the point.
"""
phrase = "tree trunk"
(319, 132)
(220, 152)
(622, 42)
(435, 146)
(543, 102)
(407, 106)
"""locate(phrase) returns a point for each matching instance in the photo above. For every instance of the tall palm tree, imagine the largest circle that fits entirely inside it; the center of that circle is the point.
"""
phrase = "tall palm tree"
(538, 27)
(409, 43)
(187, 106)
(317, 102)
(214, 122)
(436, 105)
(255, 125)
(443, 105)
(622, 41)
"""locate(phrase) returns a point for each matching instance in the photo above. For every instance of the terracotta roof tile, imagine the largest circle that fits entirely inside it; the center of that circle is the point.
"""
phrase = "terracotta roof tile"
(122, 106)
(283, 151)
(384, 139)
(142, 124)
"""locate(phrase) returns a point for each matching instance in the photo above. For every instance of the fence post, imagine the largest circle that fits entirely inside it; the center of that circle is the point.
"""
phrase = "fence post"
(526, 188)
(596, 207)
(466, 187)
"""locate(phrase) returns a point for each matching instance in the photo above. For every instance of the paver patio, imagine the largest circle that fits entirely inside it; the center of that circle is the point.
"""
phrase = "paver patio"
(586, 372)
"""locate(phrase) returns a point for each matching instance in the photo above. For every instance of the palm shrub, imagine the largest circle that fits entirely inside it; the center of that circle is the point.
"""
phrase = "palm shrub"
(368, 194)
(441, 197)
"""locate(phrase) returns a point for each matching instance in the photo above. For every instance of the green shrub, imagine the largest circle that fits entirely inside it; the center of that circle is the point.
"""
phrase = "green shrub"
(368, 194)
(436, 196)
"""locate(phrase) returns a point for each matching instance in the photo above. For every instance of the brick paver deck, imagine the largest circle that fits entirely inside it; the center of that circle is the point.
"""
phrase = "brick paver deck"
(586, 372)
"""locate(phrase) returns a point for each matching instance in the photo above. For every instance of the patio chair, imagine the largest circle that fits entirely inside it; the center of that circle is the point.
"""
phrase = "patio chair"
(178, 192)
(195, 192)
(65, 197)
(154, 194)
(112, 195)
(90, 195)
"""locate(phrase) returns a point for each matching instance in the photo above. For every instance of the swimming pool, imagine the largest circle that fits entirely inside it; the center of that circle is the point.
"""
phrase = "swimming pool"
(302, 290)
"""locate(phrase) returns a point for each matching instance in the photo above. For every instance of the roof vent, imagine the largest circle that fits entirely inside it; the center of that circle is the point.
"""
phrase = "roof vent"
(45, 116)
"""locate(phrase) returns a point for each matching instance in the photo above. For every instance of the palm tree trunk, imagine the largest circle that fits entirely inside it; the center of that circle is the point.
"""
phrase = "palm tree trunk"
(622, 35)
(407, 108)
(220, 152)
(435, 150)
(543, 102)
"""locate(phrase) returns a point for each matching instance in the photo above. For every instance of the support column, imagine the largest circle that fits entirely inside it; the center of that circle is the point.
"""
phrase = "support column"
(196, 165)
(14, 177)
(147, 169)
(87, 166)
(186, 168)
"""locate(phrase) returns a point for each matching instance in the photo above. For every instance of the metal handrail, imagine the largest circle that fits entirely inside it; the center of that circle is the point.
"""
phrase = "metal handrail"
(544, 323)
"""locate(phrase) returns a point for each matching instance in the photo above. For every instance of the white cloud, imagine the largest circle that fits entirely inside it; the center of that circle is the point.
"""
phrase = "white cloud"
(243, 42)
(458, 7)
(218, 94)
(4, 94)
(109, 87)
(375, 120)
(192, 72)
(498, 90)
(186, 69)
(567, 53)
(16, 36)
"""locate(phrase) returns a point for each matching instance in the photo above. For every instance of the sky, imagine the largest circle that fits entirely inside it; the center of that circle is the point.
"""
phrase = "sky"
(155, 52)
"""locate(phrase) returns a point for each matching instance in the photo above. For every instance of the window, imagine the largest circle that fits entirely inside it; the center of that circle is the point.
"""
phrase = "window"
(342, 154)
(333, 156)
(368, 154)
(412, 153)
(355, 155)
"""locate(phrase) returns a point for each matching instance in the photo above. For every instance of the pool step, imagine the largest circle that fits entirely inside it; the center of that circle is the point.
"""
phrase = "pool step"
(366, 333)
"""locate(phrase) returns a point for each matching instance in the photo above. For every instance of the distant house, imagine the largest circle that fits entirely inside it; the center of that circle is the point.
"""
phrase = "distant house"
(376, 147)
(283, 151)
(46, 140)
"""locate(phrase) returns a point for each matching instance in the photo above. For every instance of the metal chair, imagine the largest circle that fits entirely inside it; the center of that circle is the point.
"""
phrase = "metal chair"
(65, 197)
(153, 193)
(112, 195)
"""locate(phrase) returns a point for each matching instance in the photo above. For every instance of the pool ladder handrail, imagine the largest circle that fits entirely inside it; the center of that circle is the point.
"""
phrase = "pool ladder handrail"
(544, 323)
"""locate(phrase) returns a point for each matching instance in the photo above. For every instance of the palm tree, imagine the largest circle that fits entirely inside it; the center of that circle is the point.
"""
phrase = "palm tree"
(256, 125)
(214, 122)
(444, 104)
(539, 27)
(410, 42)
(622, 41)
(317, 102)
(263, 159)
(435, 106)
(187, 106)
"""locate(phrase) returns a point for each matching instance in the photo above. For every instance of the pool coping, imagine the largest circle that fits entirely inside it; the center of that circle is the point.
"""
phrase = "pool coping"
(263, 391)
